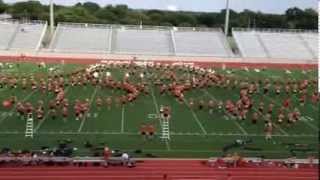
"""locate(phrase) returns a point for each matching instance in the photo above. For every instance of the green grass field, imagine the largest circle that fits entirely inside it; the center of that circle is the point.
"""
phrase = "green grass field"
(194, 133)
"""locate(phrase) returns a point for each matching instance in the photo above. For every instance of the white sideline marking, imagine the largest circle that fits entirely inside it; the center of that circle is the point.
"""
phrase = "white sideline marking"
(14, 108)
(234, 121)
(90, 103)
(122, 119)
(195, 117)
(172, 133)
(155, 102)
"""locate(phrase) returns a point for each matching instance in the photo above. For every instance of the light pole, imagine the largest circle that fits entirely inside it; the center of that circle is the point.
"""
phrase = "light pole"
(51, 17)
(226, 25)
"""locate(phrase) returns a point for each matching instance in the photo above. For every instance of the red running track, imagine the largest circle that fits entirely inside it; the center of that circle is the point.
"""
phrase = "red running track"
(157, 170)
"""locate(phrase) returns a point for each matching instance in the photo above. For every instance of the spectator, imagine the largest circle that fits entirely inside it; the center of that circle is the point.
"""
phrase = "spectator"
(125, 158)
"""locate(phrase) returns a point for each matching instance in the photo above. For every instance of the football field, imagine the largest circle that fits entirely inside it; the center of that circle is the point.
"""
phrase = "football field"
(194, 132)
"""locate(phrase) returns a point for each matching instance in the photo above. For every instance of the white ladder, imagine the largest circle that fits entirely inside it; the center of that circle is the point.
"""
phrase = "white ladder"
(165, 129)
(29, 126)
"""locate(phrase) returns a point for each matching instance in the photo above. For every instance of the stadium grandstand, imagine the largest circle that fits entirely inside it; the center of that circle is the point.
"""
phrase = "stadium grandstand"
(22, 36)
(89, 101)
(277, 43)
(160, 41)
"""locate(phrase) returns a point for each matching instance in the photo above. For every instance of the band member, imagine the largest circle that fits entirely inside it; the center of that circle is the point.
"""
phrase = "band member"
(53, 113)
(65, 112)
(278, 88)
(261, 107)
(281, 117)
(270, 108)
(40, 113)
(211, 106)
(143, 131)
(286, 103)
(268, 130)
(220, 105)
(165, 112)
(99, 102)
(191, 103)
(296, 114)
(302, 99)
(109, 102)
(201, 105)
(24, 83)
(255, 117)
(315, 97)
(150, 131)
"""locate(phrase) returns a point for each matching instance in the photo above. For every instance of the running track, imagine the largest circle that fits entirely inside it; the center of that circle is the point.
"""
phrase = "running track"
(157, 170)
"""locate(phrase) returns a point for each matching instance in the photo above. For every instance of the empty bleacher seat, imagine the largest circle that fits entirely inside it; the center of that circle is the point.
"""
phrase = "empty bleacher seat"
(285, 45)
(276, 44)
(312, 42)
(7, 30)
(249, 44)
(137, 41)
(81, 38)
(28, 36)
(21, 36)
(201, 43)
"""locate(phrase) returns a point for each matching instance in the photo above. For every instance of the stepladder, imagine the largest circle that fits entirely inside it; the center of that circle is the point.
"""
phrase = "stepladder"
(29, 126)
(165, 129)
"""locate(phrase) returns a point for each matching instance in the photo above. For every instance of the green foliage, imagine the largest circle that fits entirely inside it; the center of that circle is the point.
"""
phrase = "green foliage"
(28, 10)
(121, 14)
(3, 7)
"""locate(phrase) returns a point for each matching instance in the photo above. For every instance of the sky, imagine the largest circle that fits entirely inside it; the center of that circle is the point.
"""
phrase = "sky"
(268, 6)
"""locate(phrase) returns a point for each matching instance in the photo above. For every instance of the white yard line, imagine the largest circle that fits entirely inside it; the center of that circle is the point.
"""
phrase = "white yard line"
(195, 117)
(46, 117)
(241, 128)
(156, 105)
(306, 121)
(234, 121)
(40, 124)
(122, 119)
(282, 130)
(14, 108)
(90, 103)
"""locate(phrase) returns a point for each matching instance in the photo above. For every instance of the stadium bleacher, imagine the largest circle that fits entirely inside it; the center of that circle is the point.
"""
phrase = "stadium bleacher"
(138, 41)
(276, 43)
(27, 36)
(153, 40)
(146, 40)
(88, 38)
(7, 30)
(208, 43)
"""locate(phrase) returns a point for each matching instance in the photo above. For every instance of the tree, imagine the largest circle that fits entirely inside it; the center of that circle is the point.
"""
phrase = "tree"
(75, 14)
(91, 7)
(28, 10)
(91, 12)
(3, 7)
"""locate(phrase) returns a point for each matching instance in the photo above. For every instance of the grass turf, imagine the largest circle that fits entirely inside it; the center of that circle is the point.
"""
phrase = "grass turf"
(194, 133)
